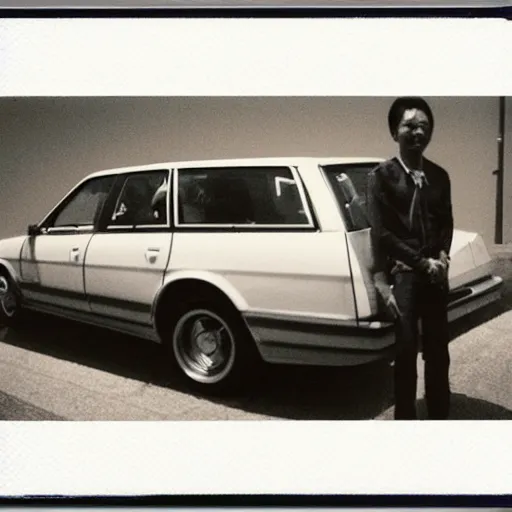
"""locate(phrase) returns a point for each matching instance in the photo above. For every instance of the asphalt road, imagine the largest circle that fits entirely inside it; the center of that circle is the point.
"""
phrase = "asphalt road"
(57, 370)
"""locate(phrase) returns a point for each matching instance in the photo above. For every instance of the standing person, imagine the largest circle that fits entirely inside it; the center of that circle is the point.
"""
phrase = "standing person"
(410, 212)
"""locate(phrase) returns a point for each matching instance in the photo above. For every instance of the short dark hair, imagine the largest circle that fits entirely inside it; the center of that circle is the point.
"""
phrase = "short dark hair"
(400, 105)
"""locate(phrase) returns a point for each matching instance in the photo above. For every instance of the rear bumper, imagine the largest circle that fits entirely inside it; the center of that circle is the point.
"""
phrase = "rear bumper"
(478, 295)
(312, 341)
(293, 340)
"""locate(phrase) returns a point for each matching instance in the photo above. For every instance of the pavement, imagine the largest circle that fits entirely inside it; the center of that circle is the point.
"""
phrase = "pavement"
(57, 370)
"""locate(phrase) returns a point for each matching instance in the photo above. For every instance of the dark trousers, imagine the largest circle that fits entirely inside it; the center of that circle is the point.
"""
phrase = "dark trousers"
(419, 299)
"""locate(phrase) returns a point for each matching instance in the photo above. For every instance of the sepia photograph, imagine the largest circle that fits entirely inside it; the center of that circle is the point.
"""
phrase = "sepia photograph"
(255, 258)
(239, 256)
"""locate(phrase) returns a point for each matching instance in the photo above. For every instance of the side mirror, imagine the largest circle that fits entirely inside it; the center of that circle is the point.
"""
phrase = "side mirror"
(33, 230)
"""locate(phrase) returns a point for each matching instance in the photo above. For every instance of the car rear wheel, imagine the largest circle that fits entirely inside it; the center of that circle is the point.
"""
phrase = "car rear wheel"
(212, 348)
(9, 300)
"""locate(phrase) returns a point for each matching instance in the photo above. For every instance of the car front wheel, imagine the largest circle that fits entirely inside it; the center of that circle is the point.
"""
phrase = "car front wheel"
(212, 348)
(9, 300)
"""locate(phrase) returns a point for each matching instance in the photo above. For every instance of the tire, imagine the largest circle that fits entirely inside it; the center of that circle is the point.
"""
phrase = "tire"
(10, 305)
(212, 348)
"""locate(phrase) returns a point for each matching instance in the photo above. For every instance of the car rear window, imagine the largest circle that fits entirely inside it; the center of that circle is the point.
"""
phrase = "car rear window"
(348, 183)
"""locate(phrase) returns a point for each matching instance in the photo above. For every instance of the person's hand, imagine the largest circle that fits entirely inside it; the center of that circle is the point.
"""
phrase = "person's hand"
(444, 259)
(393, 306)
(386, 292)
(400, 266)
(433, 267)
(436, 270)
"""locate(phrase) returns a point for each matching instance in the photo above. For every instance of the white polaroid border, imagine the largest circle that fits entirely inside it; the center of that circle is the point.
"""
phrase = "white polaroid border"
(237, 57)
(259, 57)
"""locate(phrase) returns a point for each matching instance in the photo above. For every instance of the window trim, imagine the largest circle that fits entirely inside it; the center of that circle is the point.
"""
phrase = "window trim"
(307, 198)
(309, 226)
(71, 229)
(137, 227)
(108, 228)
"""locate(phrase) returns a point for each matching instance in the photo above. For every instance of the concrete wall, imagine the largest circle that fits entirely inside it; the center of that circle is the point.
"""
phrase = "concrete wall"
(48, 144)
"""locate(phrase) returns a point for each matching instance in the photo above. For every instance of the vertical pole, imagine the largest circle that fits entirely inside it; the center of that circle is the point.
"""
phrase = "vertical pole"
(498, 232)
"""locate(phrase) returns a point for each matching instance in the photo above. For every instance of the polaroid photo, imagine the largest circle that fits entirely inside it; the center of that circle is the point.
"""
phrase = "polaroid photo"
(187, 256)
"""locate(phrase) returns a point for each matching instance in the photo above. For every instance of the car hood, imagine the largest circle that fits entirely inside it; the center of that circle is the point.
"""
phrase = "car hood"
(470, 259)
(10, 248)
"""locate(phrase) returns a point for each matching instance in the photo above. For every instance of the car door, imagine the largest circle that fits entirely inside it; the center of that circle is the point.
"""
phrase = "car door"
(126, 259)
(52, 261)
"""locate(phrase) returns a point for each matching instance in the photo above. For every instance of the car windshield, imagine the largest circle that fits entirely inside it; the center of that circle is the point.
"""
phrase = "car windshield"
(348, 182)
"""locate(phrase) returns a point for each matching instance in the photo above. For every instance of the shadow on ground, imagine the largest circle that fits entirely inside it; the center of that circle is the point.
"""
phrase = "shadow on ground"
(14, 409)
(281, 391)
(464, 407)
(313, 393)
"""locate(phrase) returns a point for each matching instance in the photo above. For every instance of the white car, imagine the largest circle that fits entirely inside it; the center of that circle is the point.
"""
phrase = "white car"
(226, 263)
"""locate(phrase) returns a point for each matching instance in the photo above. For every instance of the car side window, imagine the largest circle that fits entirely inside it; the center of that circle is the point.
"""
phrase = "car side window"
(142, 200)
(241, 196)
(84, 205)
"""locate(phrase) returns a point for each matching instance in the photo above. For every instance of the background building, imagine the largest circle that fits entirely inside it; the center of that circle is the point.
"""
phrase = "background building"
(48, 144)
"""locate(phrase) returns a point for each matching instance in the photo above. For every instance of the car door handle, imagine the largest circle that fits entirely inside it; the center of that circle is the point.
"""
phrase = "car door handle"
(74, 255)
(152, 254)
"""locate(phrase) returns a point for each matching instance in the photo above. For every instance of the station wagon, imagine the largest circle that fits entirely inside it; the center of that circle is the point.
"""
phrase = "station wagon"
(226, 263)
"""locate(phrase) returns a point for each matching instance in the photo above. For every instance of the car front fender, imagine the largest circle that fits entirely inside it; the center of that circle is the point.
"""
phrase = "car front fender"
(12, 272)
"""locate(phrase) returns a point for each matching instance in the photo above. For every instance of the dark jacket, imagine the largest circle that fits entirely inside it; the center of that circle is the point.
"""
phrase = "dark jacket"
(394, 237)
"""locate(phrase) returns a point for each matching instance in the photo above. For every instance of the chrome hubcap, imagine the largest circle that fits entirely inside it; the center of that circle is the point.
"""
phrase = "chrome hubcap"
(204, 346)
(7, 298)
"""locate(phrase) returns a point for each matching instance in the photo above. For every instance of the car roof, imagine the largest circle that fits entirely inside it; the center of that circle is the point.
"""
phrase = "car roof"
(242, 162)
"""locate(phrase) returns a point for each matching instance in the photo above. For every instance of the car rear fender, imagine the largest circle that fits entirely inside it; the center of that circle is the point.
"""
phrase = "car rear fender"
(215, 280)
